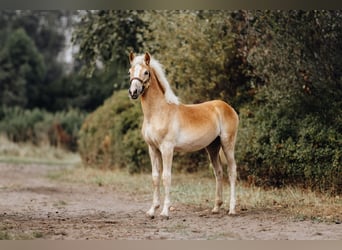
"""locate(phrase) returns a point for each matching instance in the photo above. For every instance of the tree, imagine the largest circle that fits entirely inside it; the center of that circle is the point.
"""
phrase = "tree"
(21, 70)
(107, 36)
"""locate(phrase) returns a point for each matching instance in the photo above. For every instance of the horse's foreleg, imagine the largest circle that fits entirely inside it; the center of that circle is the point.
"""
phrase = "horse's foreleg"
(167, 155)
(155, 157)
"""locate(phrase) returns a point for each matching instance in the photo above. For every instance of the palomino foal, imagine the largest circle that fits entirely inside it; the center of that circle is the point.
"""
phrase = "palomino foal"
(170, 126)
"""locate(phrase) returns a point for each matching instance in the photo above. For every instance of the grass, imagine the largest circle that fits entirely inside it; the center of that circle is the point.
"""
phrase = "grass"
(5, 235)
(198, 189)
(60, 204)
(27, 153)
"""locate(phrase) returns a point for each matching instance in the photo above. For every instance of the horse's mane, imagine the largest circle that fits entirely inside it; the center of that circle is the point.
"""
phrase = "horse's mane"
(159, 71)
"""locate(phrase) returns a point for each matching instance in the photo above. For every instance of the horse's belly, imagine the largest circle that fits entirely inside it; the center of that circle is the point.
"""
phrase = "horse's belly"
(187, 139)
(189, 142)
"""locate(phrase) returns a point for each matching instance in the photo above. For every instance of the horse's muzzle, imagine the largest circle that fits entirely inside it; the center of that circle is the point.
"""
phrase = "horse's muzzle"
(133, 95)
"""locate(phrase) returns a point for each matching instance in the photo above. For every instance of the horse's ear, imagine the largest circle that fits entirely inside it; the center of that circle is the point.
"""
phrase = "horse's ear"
(147, 58)
(131, 57)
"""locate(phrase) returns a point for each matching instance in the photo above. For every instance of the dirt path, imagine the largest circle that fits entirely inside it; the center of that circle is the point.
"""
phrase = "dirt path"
(33, 206)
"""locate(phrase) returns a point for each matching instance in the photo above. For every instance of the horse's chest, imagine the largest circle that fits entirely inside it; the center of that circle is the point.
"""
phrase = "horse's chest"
(154, 134)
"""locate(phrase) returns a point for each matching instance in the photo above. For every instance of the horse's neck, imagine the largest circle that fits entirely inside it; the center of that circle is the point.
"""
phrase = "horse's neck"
(153, 100)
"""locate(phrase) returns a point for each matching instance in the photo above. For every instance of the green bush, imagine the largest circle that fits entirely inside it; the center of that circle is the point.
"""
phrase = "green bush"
(290, 133)
(38, 126)
(18, 124)
(108, 136)
(286, 149)
(71, 121)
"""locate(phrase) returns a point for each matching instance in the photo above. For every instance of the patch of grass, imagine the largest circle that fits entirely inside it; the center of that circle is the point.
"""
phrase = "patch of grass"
(27, 153)
(199, 189)
(4, 235)
(37, 235)
(300, 203)
(120, 180)
(60, 204)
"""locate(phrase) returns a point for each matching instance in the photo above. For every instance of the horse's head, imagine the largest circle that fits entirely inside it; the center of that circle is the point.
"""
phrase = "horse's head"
(140, 73)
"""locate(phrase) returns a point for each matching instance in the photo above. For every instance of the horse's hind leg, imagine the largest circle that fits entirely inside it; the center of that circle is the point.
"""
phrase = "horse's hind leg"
(228, 144)
(213, 152)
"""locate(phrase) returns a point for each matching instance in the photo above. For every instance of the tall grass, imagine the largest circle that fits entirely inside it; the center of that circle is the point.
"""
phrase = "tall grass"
(27, 152)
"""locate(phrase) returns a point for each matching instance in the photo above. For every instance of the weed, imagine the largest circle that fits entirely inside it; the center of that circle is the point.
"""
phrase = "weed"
(4, 235)
(37, 234)
(60, 204)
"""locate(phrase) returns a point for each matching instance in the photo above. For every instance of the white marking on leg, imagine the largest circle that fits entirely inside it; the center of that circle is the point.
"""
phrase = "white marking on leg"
(232, 180)
(156, 167)
(167, 155)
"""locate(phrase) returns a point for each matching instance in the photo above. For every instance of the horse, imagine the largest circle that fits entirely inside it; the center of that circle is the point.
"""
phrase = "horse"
(169, 126)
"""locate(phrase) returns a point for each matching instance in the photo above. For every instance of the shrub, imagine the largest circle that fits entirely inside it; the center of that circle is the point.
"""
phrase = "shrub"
(70, 121)
(38, 126)
(290, 148)
(291, 132)
(108, 138)
(18, 124)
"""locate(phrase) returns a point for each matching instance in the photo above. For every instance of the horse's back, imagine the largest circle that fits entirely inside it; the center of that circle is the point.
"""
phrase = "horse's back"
(221, 109)
(215, 115)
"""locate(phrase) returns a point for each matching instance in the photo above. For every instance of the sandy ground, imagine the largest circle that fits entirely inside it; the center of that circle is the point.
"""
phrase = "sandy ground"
(35, 207)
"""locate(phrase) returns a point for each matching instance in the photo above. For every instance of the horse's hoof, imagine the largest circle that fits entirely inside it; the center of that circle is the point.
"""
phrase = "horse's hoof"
(232, 212)
(165, 217)
(215, 210)
(149, 215)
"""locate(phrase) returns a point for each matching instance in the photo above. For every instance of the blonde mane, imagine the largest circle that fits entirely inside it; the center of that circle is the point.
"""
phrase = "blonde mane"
(170, 97)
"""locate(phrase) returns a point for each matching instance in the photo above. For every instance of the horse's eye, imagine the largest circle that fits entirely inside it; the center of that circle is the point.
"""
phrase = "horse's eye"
(146, 73)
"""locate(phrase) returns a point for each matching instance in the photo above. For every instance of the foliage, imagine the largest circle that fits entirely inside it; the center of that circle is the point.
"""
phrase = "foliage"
(211, 54)
(38, 126)
(32, 41)
(32, 74)
(293, 126)
(76, 91)
(106, 36)
(110, 136)
(21, 70)
(279, 69)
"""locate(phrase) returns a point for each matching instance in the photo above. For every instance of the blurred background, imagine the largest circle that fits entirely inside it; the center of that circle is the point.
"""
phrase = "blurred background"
(64, 81)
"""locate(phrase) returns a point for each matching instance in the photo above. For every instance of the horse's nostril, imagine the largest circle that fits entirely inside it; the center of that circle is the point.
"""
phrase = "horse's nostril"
(133, 95)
